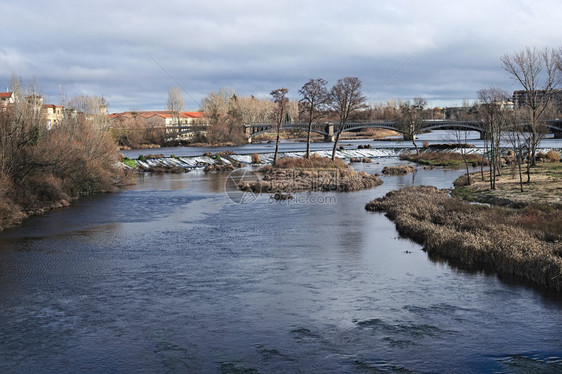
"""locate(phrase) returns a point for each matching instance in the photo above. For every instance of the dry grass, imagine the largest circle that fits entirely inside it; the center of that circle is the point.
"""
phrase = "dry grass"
(443, 158)
(508, 241)
(398, 170)
(550, 156)
(314, 174)
(256, 159)
(545, 187)
(365, 160)
(277, 180)
(314, 162)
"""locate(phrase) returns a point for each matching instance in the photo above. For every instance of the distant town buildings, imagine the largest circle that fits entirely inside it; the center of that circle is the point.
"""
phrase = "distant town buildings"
(162, 118)
(521, 97)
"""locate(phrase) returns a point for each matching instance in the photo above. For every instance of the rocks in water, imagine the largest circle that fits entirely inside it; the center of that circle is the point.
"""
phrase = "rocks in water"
(365, 160)
(281, 196)
(364, 146)
(219, 167)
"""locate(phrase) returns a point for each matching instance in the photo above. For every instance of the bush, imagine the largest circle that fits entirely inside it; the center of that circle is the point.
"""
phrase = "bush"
(131, 163)
(315, 162)
(256, 159)
(49, 167)
(553, 155)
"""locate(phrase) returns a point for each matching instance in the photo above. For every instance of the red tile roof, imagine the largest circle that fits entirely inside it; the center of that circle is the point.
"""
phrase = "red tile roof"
(6, 94)
(159, 113)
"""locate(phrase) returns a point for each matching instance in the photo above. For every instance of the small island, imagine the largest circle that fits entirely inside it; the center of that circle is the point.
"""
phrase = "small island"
(313, 174)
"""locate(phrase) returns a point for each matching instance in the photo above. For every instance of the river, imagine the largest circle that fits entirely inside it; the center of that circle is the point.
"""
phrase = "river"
(172, 275)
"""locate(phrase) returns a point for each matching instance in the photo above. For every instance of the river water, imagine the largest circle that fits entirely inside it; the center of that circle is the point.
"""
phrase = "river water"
(172, 275)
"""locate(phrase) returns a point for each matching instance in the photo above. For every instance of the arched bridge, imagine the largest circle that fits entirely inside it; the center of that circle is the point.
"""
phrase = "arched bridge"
(328, 129)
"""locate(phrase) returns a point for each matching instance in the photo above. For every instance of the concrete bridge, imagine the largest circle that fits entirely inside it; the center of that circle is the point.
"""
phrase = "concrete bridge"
(328, 129)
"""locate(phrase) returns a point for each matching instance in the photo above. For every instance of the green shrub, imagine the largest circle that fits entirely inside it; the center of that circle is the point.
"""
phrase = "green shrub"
(131, 163)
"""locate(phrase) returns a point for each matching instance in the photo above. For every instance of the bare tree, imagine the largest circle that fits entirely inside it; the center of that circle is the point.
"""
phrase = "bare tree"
(314, 98)
(279, 97)
(461, 137)
(520, 140)
(175, 104)
(410, 119)
(493, 114)
(346, 99)
(538, 73)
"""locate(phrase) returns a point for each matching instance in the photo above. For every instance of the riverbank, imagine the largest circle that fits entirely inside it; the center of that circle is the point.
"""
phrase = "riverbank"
(525, 243)
(544, 189)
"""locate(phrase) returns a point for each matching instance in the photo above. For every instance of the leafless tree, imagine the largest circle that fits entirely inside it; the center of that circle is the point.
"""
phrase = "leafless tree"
(461, 137)
(279, 97)
(314, 98)
(520, 140)
(346, 99)
(91, 108)
(538, 72)
(410, 119)
(175, 104)
(225, 113)
(494, 116)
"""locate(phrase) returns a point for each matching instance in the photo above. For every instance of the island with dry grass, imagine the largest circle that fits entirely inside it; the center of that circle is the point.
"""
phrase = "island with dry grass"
(515, 234)
(398, 170)
(449, 159)
(314, 174)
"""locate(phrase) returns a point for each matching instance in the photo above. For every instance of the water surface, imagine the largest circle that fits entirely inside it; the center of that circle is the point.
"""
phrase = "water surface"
(172, 276)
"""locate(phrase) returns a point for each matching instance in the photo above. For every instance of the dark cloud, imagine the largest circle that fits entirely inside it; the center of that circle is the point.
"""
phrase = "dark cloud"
(128, 50)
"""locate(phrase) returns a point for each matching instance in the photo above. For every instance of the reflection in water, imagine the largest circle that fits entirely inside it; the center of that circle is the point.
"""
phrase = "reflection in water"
(171, 275)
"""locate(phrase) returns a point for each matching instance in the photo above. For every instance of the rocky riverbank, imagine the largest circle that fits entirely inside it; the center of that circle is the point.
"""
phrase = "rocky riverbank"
(524, 243)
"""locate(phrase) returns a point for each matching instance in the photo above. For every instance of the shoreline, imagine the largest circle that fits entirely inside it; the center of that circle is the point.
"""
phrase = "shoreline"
(477, 237)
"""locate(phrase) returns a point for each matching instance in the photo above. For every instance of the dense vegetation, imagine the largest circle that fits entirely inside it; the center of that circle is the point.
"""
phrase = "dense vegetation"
(41, 169)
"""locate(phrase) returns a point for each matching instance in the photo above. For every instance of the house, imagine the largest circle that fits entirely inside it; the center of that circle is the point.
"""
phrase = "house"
(6, 98)
(159, 119)
(163, 118)
(54, 114)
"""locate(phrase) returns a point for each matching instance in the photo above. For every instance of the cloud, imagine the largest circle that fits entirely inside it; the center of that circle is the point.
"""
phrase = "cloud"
(253, 46)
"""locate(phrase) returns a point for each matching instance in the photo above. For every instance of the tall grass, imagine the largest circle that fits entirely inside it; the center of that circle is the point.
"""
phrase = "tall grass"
(525, 243)
(314, 162)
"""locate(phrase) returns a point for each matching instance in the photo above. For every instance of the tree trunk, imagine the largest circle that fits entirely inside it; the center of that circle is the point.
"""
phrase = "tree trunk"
(336, 145)
(519, 162)
(277, 143)
(308, 139)
(415, 145)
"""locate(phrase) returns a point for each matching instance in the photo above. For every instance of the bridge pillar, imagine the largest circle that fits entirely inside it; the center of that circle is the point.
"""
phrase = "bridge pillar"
(248, 133)
(483, 136)
(557, 134)
(408, 137)
(329, 137)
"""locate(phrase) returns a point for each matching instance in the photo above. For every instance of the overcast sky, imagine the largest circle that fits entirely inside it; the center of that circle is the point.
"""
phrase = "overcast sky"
(132, 52)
